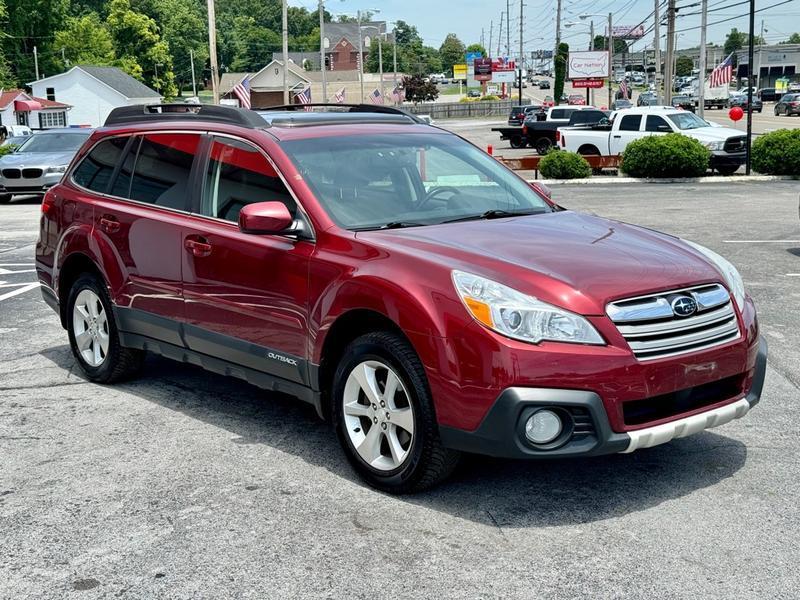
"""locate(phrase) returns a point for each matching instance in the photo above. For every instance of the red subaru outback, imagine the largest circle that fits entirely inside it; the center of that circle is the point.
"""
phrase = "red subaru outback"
(419, 294)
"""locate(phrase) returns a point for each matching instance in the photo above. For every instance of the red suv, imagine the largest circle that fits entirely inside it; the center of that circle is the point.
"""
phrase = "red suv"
(419, 294)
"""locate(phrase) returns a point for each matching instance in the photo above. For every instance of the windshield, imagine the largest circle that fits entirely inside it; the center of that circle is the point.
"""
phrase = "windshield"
(54, 142)
(687, 120)
(383, 180)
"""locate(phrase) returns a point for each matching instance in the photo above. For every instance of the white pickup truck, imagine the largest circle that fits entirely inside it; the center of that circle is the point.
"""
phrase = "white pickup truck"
(727, 145)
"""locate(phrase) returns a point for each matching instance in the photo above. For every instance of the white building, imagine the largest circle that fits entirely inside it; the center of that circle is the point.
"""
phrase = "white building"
(19, 108)
(93, 92)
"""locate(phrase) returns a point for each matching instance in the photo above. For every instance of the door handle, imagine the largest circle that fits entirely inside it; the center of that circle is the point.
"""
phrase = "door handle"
(616, 137)
(109, 224)
(198, 246)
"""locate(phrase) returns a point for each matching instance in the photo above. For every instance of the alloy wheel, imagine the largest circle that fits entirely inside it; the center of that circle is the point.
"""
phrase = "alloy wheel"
(90, 327)
(378, 415)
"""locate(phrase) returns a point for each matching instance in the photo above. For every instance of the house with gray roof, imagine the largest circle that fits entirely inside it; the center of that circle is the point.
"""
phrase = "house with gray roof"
(93, 92)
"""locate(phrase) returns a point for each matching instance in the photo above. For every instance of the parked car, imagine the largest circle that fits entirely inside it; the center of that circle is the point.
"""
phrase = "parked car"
(741, 101)
(520, 113)
(769, 95)
(544, 84)
(541, 134)
(683, 103)
(788, 105)
(620, 104)
(727, 145)
(548, 101)
(473, 94)
(40, 162)
(647, 99)
(576, 99)
(363, 272)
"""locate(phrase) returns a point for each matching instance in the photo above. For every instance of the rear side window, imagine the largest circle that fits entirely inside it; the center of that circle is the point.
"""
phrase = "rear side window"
(630, 123)
(558, 113)
(238, 175)
(94, 172)
(163, 165)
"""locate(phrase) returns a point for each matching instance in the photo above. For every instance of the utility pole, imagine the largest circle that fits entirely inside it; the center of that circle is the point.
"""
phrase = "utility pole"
(394, 58)
(285, 52)
(380, 59)
(36, 62)
(194, 81)
(558, 26)
(657, 49)
(590, 91)
(701, 81)
(508, 28)
(500, 34)
(757, 83)
(668, 68)
(483, 37)
(611, 59)
(521, 50)
(750, 53)
(212, 51)
(64, 57)
(491, 37)
(322, 51)
(360, 57)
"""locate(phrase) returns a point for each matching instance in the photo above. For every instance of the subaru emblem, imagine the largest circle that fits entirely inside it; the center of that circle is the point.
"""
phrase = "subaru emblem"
(684, 306)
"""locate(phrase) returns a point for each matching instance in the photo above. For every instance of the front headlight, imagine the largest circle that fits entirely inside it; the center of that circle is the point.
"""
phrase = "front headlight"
(729, 272)
(715, 145)
(61, 169)
(519, 316)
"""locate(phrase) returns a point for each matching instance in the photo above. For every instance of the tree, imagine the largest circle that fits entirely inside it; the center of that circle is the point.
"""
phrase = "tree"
(30, 23)
(6, 79)
(451, 52)
(734, 41)
(86, 40)
(601, 43)
(793, 39)
(560, 62)
(418, 90)
(477, 48)
(684, 66)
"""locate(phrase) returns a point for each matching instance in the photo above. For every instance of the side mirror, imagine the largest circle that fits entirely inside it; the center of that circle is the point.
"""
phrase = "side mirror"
(265, 218)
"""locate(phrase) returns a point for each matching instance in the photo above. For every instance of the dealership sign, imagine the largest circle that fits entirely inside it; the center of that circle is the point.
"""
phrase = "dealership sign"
(587, 83)
(626, 32)
(588, 65)
(460, 71)
(483, 69)
(503, 71)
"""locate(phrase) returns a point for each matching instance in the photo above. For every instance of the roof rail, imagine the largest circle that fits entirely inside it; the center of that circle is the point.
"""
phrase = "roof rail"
(351, 108)
(150, 113)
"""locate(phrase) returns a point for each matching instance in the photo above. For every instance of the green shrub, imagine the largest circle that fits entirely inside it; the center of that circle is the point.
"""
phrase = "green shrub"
(489, 98)
(671, 155)
(560, 164)
(7, 149)
(777, 153)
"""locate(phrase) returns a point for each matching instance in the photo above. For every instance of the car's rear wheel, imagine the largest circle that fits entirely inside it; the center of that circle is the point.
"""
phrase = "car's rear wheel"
(93, 334)
(518, 142)
(543, 145)
(384, 416)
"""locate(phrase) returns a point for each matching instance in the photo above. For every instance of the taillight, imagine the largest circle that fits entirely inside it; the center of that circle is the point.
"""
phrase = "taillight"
(525, 130)
(48, 202)
(558, 135)
(563, 141)
(794, 103)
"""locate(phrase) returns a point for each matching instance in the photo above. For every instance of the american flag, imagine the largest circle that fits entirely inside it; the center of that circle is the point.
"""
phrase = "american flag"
(304, 97)
(242, 91)
(376, 97)
(340, 95)
(623, 89)
(397, 95)
(723, 73)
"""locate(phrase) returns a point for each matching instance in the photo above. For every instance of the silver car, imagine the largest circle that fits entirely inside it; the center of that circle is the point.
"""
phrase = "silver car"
(39, 162)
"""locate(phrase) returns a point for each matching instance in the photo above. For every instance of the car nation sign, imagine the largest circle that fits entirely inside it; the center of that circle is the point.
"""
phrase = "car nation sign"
(588, 65)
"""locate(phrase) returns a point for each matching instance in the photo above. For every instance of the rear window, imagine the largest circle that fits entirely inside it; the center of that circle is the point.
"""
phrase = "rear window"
(94, 172)
(630, 123)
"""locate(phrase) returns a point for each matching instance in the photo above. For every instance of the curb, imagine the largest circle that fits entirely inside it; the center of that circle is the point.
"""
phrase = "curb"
(659, 181)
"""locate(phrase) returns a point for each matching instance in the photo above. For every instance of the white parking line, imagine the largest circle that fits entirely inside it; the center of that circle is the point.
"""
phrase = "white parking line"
(793, 275)
(761, 241)
(8, 272)
(17, 292)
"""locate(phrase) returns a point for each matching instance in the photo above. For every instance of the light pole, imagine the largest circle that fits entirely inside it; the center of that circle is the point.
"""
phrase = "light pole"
(380, 55)
(361, 48)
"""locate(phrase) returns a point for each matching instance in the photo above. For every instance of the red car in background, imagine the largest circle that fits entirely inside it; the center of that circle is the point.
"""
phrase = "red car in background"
(420, 295)
(576, 99)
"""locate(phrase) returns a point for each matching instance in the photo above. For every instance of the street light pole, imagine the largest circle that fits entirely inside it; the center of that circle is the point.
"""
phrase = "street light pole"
(285, 49)
(322, 50)
(701, 81)
(657, 48)
(521, 50)
(360, 57)
(610, 59)
(380, 58)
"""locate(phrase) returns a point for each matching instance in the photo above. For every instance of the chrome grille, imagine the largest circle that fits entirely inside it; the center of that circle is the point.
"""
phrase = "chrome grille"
(11, 173)
(653, 331)
(32, 173)
(736, 144)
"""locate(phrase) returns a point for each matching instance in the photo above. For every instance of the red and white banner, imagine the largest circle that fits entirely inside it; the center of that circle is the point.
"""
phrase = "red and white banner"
(588, 83)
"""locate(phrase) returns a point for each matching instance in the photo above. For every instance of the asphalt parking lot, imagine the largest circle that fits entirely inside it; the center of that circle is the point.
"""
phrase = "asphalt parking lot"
(184, 484)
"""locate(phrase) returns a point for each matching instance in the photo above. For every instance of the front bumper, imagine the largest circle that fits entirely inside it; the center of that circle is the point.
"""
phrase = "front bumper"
(720, 158)
(502, 431)
(25, 185)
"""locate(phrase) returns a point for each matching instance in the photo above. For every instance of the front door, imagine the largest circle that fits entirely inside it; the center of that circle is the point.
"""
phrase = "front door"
(246, 295)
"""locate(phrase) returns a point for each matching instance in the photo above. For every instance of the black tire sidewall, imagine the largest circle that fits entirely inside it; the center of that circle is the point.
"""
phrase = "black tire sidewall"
(105, 371)
(371, 348)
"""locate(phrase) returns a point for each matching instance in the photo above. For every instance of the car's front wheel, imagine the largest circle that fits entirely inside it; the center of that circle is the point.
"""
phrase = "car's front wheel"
(5, 198)
(93, 334)
(385, 418)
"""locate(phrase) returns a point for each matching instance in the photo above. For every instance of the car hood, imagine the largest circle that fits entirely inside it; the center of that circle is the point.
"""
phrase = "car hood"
(714, 133)
(573, 260)
(34, 159)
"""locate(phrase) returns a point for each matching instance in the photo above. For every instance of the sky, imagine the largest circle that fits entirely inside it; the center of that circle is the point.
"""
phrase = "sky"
(436, 18)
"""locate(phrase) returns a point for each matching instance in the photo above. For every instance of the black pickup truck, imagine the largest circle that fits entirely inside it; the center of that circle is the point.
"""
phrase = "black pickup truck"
(542, 134)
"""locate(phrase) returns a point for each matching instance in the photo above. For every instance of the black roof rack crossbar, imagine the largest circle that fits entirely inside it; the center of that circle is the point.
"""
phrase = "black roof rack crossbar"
(353, 108)
(148, 113)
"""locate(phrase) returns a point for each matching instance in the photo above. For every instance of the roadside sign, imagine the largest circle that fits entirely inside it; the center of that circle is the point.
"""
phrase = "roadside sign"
(626, 32)
(460, 71)
(483, 69)
(471, 56)
(588, 83)
(588, 65)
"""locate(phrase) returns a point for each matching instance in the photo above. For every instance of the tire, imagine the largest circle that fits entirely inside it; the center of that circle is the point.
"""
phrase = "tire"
(92, 324)
(727, 169)
(776, 112)
(518, 142)
(419, 460)
(543, 145)
(5, 198)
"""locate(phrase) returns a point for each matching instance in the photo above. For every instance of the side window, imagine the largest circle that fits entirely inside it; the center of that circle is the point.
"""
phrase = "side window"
(163, 164)
(630, 123)
(238, 175)
(654, 122)
(558, 113)
(94, 172)
(122, 184)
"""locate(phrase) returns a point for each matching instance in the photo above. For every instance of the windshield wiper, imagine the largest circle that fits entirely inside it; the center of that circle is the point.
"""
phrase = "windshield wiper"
(495, 213)
(392, 225)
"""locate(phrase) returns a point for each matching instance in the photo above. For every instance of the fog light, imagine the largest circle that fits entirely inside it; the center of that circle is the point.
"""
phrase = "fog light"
(543, 427)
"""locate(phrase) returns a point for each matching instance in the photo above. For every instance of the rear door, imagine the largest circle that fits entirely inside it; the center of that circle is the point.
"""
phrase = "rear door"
(139, 222)
(246, 295)
(629, 126)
